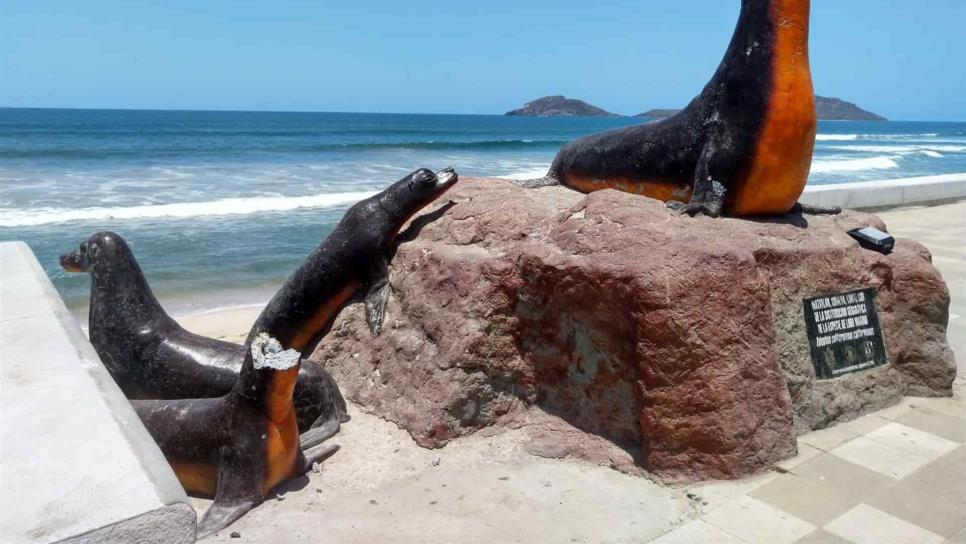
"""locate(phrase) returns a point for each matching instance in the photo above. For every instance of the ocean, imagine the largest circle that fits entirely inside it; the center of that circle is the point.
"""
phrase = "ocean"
(219, 207)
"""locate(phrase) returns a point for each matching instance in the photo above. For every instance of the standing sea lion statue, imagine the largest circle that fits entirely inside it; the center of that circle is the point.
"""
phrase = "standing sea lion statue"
(151, 356)
(237, 447)
(743, 147)
(354, 257)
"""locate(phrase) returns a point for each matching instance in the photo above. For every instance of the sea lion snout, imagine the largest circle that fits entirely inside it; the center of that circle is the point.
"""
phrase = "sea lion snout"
(75, 261)
(446, 176)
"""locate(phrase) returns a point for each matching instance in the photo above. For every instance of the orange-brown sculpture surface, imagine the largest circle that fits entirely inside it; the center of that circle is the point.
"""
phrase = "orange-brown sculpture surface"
(743, 147)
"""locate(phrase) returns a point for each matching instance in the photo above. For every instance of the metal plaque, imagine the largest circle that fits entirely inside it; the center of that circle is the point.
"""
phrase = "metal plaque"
(844, 333)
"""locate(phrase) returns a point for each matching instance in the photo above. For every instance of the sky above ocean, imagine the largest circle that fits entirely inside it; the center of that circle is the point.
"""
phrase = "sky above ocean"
(897, 58)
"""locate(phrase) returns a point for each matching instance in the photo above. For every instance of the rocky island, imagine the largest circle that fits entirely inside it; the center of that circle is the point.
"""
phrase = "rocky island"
(829, 109)
(560, 106)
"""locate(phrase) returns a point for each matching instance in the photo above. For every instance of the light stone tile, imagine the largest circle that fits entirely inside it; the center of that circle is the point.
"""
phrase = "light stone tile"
(867, 525)
(864, 424)
(754, 521)
(718, 494)
(822, 537)
(897, 411)
(805, 499)
(805, 453)
(698, 532)
(913, 442)
(937, 423)
(953, 406)
(879, 457)
(827, 439)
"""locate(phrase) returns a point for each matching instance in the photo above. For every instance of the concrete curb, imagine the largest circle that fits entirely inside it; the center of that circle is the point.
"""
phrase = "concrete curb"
(888, 193)
(78, 465)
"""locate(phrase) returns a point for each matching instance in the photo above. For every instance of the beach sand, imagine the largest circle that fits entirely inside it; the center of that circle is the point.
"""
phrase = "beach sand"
(382, 487)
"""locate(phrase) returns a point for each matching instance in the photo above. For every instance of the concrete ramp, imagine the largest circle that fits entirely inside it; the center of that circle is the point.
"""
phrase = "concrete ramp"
(76, 464)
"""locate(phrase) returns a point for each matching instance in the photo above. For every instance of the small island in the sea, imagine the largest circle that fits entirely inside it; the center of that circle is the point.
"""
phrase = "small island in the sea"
(560, 106)
(829, 109)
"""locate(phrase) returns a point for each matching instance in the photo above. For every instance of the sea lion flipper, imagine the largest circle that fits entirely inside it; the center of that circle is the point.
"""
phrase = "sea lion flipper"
(378, 297)
(319, 453)
(238, 491)
(220, 516)
(808, 209)
(317, 435)
(710, 189)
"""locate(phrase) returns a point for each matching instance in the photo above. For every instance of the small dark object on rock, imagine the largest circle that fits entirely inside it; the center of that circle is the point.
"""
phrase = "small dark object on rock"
(318, 490)
(780, 470)
(373, 501)
(432, 502)
(235, 534)
(504, 478)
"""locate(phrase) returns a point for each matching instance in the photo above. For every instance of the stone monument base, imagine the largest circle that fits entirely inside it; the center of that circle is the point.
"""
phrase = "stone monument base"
(628, 335)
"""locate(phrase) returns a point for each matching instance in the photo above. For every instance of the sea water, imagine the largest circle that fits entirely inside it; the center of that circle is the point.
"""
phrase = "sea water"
(220, 207)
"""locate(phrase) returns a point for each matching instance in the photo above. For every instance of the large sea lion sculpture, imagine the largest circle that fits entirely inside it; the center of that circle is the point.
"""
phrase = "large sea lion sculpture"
(743, 147)
(151, 356)
(238, 447)
(355, 257)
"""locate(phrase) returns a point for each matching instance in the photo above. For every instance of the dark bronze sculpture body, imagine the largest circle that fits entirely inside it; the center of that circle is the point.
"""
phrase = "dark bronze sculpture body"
(743, 147)
(151, 356)
(354, 257)
(237, 447)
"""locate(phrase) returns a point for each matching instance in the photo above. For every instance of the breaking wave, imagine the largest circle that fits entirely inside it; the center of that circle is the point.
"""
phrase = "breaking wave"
(226, 206)
(853, 165)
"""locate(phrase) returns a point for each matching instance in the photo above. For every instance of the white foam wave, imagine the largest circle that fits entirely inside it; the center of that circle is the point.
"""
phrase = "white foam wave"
(534, 173)
(226, 206)
(931, 153)
(854, 137)
(836, 137)
(854, 165)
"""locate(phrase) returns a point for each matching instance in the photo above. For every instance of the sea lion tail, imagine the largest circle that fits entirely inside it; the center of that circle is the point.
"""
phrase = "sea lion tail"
(809, 209)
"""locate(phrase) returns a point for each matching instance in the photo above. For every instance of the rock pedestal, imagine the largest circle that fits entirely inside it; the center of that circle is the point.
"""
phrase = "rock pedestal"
(680, 340)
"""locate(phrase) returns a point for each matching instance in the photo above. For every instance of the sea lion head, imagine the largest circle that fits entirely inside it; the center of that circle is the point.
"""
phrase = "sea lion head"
(102, 247)
(403, 199)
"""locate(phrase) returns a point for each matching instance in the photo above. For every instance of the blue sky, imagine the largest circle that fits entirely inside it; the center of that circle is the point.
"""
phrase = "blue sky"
(899, 58)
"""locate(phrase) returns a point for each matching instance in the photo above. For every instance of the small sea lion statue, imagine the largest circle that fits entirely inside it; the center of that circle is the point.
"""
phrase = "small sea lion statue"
(743, 147)
(151, 356)
(236, 448)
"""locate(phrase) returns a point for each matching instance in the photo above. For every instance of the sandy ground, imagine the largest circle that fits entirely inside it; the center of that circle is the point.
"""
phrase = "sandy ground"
(382, 487)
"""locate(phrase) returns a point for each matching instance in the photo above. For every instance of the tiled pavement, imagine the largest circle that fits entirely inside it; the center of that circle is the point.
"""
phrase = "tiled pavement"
(895, 476)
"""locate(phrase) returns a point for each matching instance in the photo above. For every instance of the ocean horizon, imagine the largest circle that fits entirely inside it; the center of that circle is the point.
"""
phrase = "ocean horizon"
(220, 206)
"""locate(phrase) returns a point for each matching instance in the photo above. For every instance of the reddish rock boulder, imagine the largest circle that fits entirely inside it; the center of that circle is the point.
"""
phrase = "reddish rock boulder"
(606, 319)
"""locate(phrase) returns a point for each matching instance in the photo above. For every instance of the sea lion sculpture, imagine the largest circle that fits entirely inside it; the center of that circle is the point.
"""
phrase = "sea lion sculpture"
(743, 147)
(237, 447)
(151, 356)
(354, 257)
